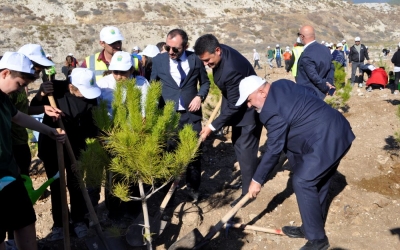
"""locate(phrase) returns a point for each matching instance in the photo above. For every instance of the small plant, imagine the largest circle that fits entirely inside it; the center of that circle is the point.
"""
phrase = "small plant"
(342, 94)
(136, 145)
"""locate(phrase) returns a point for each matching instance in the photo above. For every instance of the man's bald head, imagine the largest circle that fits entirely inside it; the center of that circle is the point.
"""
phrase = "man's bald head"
(307, 34)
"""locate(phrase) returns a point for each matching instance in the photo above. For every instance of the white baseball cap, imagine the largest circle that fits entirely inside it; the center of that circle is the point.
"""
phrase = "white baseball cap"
(270, 46)
(17, 62)
(357, 39)
(277, 45)
(49, 55)
(70, 54)
(110, 34)
(36, 53)
(136, 48)
(121, 60)
(247, 86)
(323, 42)
(84, 80)
(150, 51)
(343, 41)
(339, 45)
(298, 40)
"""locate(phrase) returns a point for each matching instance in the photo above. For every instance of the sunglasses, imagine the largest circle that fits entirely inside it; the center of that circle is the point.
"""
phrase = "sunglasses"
(174, 49)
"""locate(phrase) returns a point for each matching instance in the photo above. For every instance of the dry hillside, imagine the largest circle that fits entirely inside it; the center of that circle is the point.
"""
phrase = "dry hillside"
(63, 26)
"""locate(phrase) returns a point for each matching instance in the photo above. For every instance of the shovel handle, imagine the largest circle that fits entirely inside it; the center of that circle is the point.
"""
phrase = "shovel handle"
(226, 218)
(255, 228)
(64, 202)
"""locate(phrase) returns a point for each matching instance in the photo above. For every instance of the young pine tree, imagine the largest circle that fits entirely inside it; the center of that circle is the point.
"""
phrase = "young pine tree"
(136, 138)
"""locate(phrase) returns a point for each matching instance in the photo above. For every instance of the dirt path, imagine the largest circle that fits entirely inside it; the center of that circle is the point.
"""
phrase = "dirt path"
(365, 206)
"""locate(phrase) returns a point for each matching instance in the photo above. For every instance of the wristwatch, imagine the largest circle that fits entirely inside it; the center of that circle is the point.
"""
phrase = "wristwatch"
(201, 97)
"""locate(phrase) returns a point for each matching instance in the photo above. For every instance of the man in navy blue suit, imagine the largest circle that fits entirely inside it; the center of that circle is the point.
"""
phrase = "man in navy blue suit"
(315, 67)
(314, 136)
(229, 68)
(179, 71)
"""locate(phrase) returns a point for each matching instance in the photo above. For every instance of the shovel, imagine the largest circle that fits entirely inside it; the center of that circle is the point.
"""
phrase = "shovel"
(103, 242)
(134, 235)
(195, 240)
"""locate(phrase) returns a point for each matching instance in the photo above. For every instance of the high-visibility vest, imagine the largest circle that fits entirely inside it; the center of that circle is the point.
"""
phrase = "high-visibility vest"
(345, 47)
(278, 53)
(97, 66)
(297, 50)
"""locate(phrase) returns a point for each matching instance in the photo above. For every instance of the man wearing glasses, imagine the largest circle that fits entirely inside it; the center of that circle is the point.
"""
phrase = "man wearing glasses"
(179, 71)
(111, 41)
(358, 53)
(315, 68)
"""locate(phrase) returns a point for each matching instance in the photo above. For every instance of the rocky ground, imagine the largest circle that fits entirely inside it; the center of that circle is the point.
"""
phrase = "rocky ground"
(365, 195)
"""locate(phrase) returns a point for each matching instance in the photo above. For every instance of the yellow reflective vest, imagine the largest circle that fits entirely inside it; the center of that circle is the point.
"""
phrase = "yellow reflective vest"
(97, 66)
(297, 50)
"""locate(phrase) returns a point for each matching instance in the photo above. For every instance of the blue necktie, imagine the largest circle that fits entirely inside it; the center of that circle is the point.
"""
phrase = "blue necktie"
(181, 71)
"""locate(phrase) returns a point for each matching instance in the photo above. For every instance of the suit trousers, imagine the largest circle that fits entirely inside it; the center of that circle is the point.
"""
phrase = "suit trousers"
(246, 141)
(312, 200)
(354, 66)
(193, 171)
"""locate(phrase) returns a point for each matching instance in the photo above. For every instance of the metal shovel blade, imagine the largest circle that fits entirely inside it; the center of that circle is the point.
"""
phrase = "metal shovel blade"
(188, 241)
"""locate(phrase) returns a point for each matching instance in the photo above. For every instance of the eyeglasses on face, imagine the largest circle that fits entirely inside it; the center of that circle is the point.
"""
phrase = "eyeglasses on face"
(174, 49)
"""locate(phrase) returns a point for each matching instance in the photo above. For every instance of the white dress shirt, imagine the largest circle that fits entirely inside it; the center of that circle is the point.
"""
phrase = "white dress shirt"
(173, 65)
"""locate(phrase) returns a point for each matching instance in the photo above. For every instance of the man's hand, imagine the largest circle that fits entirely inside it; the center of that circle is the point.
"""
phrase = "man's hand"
(54, 113)
(46, 88)
(59, 137)
(195, 104)
(254, 189)
(205, 132)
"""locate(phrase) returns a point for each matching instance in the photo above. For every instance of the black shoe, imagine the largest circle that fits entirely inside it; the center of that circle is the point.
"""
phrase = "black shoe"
(238, 199)
(316, 245)
(238, 185)
(293, 232)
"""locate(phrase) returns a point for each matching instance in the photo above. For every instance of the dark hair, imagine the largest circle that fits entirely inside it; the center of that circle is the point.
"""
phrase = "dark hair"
(148, 67)
(69, 61)
(160, 45)
(382, 67)
(206, 43)
(173, 33)
(390, 73)
(26, 76)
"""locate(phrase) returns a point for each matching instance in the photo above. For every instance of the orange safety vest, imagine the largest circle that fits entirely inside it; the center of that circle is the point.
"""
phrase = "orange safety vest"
(286, 56)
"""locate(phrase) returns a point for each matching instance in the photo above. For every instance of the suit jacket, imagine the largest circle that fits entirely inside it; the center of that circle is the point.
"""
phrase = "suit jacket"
(311, 133)
(315, 68)
(232, 68)
(188, 89)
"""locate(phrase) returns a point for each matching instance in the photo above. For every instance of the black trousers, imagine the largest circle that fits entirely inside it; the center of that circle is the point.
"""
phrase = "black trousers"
(246, 141)
(78, 205)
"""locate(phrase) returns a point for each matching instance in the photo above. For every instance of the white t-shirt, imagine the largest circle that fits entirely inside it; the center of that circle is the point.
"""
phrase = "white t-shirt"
(108, 84)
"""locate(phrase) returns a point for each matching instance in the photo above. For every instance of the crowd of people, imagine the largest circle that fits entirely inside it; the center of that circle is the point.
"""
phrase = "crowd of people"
(312, 135)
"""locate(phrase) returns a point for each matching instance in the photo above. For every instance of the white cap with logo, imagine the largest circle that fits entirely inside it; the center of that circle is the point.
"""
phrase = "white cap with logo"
(110, 34)
(339, 45)
(36, 53)
(357, 39)
(121, 60)
(16, 61)
(247, 86)
(150, 51)
(136, 48)
(84, 80)
(277, 45)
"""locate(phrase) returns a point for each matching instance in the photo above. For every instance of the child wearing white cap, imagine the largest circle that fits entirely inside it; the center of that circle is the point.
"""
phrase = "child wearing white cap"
(75, 97)
(122, 68)
(147, 59)
(16, 213)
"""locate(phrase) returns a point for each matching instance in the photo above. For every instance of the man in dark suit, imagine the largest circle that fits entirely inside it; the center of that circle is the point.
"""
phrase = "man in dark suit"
(315, 67)
(229, 68)
(179, 71)
(314, 136)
